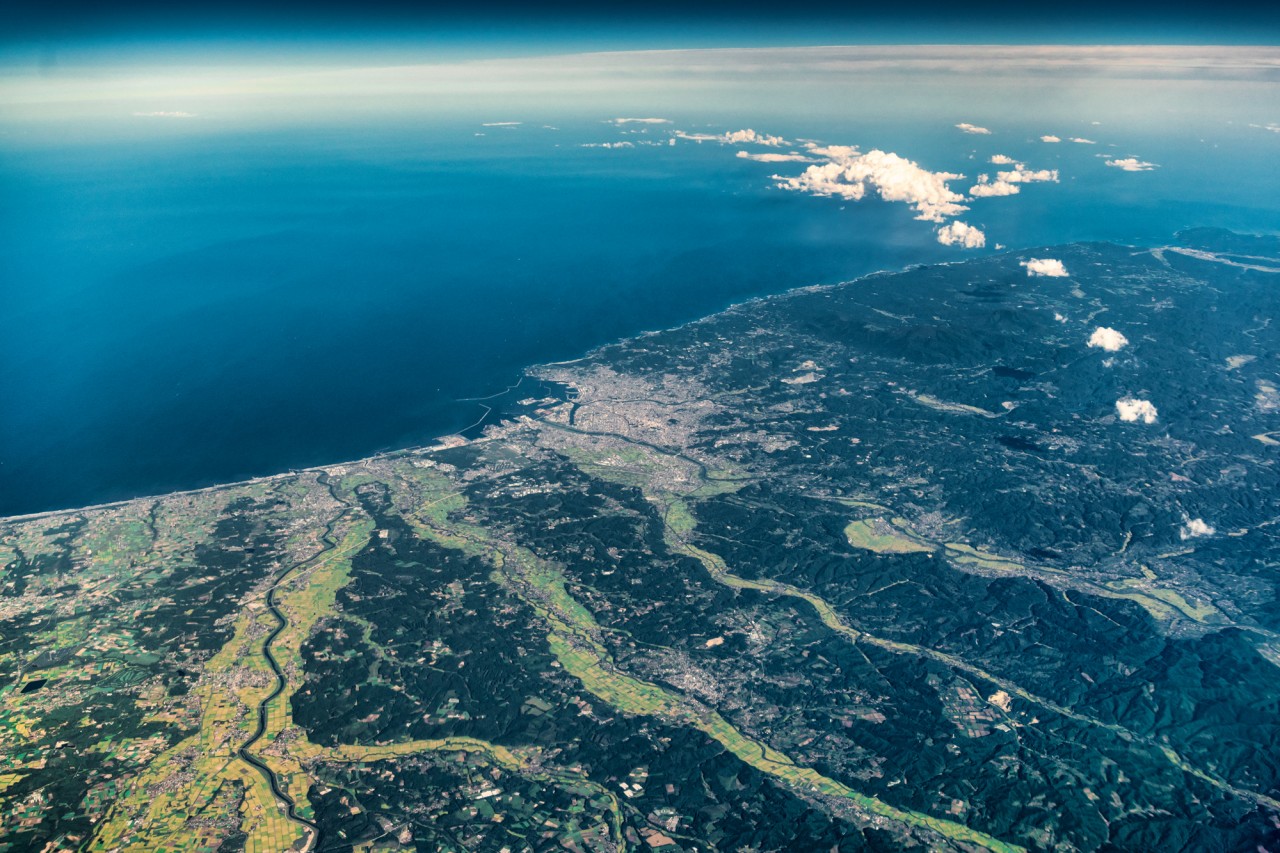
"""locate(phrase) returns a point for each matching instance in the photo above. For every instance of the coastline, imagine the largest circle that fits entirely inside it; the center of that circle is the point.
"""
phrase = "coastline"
(457, 438)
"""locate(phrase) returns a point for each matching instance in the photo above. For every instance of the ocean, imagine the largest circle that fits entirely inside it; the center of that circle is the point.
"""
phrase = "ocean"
(190, 302)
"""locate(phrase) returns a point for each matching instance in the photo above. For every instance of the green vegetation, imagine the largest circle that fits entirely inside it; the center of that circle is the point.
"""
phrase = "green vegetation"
(876, 534)
(509, 642)
(1158, 601)
(967, 555)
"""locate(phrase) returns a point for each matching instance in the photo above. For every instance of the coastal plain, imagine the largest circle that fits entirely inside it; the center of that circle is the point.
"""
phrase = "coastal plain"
(887, 565)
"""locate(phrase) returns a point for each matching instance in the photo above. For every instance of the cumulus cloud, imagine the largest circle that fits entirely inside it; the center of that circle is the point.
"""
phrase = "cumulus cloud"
(696, 137)
(738, 137)
(1130, 409)
(622, 121)
(1049, 137)
(1020, 174)
(747, 136)
(1195, 527)
(1108, 339)
(1002, 160)
(961, 234)
(608, 145)
(1082, 141)
(1131, 164)
(832, 152)
(773, 157)
(986, 188)
(1050, 267)
(848, 174)
(973, 128)
(166, 114)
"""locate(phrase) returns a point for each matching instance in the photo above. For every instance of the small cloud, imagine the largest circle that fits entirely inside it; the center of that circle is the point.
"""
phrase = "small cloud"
(986, 188)
(1195, 527)
(833, 152)
(740, 137)
(1268, 397)
(1049, 137)
(1235, 362)
(622, 121)
(1272, 126)
(166, 114)
(1130, 409)
(1050, 267)
(735, 137)
(501, 123)
(1022, 175)
(772, 157)
(961, 234)
(1132, 164)
(608, 145)
(1002, 160)
(1108, 339)
(973, 128)
(1082, 141)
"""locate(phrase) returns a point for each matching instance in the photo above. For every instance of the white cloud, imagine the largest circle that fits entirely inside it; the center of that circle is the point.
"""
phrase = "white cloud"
(832, 152)
(622, 121)
(1082, 141)
(501, 123)
(1050, 267)
(961, 234)
(1130, 409)
(608, 145)
(166, 114)
(985, 188)
(848, 173)
(1132, 164)
(735, 137)
(1002, 160)
(1273, 127)
(1195, 527)
(973, 128)
(738, 137)
(1022, 175)
(772, 157)
(1049, 137)
(1109, 339)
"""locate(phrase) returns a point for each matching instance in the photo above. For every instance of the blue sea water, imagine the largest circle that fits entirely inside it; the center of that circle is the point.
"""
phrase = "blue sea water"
(189, 304)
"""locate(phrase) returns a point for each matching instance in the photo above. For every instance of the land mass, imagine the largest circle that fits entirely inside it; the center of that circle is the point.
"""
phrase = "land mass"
(876, 566)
